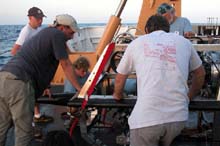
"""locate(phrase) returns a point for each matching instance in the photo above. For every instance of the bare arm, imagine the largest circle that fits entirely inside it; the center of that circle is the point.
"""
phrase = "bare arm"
(68, 70)
(198, 78)
(15, 48)
(119, 86)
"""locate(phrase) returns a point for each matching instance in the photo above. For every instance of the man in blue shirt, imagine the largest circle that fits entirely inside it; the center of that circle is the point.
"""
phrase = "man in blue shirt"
(179, 25)
(29, 73)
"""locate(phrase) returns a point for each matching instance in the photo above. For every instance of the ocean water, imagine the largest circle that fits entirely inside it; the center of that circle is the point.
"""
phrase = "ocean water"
(8, 35)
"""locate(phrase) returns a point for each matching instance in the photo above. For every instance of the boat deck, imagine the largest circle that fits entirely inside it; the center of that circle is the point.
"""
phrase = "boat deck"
(58, 124)
(107, 135)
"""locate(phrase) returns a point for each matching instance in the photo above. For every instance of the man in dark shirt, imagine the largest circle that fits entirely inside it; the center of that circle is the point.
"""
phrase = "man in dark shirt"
(29, 72)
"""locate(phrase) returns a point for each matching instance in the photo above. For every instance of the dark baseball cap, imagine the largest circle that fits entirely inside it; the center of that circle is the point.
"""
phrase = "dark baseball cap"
(164, 8)
(36, 12)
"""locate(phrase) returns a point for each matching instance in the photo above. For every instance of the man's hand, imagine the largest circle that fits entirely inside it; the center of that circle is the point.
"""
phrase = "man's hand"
(119, 96)
(189, 34)
(47, 92)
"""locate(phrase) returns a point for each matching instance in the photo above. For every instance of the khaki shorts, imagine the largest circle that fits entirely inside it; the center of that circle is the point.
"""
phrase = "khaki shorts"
(16, 106)
(158, 135)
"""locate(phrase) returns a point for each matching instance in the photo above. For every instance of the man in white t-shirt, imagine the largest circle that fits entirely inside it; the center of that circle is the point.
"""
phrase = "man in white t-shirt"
(35, 16)
(162, 62)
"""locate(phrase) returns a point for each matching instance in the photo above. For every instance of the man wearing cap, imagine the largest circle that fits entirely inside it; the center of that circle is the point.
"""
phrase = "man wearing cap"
(179, 25)
(29, 73)
(35, 16)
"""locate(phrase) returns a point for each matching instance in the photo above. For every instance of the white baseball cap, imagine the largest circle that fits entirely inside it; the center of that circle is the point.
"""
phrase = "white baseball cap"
(68, 20)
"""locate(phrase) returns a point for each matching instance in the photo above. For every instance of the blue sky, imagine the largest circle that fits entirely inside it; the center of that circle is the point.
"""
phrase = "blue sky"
(92, 11)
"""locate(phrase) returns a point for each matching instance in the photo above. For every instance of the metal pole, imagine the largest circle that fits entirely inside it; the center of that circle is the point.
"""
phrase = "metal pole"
(111, 28)
(120, 8)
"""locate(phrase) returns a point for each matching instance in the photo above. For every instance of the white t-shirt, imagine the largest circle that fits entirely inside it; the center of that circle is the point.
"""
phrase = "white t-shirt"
(26, 33)
(162, 62)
